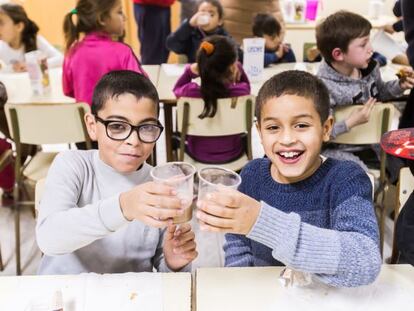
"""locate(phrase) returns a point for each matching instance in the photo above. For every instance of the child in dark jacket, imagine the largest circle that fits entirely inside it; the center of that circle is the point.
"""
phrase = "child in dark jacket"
(221, 76)
(208, 20)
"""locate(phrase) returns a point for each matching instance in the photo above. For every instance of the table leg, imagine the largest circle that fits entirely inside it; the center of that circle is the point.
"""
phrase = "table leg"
(168, 119)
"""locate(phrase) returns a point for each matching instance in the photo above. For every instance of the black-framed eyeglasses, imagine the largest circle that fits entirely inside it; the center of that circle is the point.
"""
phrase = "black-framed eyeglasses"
(121, 130)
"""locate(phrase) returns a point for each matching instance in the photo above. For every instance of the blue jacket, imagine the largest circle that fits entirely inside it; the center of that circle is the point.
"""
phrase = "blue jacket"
(186, 39)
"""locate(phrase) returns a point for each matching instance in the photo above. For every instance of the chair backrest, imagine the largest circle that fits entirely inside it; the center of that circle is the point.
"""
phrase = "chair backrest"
(370, 132)
(47, 123)
(405, 186)
(306, 47)
(233, 116)
(40, 186)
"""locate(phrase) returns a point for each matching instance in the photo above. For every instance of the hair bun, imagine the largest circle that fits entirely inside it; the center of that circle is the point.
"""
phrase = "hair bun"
(207, 47)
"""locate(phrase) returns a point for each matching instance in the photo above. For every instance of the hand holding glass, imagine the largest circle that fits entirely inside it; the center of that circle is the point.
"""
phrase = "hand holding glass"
(180, 176)
(211, 177)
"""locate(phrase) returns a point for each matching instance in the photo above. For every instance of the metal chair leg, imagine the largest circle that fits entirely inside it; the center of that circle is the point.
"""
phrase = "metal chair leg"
(17, 229)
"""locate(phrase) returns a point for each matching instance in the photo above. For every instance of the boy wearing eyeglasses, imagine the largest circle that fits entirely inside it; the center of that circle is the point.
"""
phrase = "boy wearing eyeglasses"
(99, 211)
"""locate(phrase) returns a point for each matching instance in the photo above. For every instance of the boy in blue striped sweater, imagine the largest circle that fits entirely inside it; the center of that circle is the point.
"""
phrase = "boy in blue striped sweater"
(295, 207)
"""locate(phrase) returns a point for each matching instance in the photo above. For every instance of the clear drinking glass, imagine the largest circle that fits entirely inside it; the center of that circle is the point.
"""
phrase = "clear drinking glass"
(180, 176)
(212, 176)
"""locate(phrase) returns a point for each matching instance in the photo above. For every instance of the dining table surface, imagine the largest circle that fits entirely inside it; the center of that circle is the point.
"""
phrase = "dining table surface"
(89, 292)
(260, 289)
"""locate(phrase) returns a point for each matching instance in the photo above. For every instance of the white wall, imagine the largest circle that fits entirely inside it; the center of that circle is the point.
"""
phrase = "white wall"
(357, 6)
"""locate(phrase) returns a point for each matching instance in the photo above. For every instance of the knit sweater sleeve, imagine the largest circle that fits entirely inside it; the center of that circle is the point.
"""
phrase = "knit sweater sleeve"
(184, 87)
(63, 227)
(338, 129)
(345, 255)
(180, 40)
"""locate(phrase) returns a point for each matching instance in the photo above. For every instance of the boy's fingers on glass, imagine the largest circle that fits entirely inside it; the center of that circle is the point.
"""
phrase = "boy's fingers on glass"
(169, 213)
(162, 189)
(218, 210)
(165, 202)
(206, 227)
(218, 222)
(225, 196)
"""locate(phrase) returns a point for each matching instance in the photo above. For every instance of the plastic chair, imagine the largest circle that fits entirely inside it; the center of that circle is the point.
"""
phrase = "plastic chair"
(405, 187)
(39, 124)
(370, 133)
(233, 116)
(310, 47)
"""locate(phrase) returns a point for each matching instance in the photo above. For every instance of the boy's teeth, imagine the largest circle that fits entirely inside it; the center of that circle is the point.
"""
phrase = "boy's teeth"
(289, 154)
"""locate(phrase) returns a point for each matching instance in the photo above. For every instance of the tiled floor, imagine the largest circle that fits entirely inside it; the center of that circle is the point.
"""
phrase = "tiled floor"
(209, 244)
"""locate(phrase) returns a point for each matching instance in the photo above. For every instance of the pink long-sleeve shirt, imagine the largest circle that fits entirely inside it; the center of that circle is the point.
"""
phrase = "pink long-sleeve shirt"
(90, 59)
(218, 149)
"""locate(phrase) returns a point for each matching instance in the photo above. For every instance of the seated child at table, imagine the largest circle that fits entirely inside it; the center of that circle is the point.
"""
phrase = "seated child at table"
(266, 26)
(207, 21)
(295, 207)
(18, 36)
(99, 211)
(89, 57)
(351, 75)
(221, 77)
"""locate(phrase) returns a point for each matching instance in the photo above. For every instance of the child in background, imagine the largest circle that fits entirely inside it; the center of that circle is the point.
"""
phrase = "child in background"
(96, 54)
(222, 76)
(295, 207)
(351, 75)
(99, 211)
(266, 26)
(18, 36)
(207, 21)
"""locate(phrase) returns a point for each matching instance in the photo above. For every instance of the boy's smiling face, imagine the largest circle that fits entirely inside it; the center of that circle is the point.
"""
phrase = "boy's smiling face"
(127, 155)
(292, 134)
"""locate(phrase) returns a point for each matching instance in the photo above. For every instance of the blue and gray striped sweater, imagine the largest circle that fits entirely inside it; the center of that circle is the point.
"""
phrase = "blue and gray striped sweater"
(324, 224)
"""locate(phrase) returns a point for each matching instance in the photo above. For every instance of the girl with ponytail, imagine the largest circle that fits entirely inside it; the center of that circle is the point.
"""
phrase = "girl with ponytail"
(91, 51)
(19, 35)
(221, 76)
